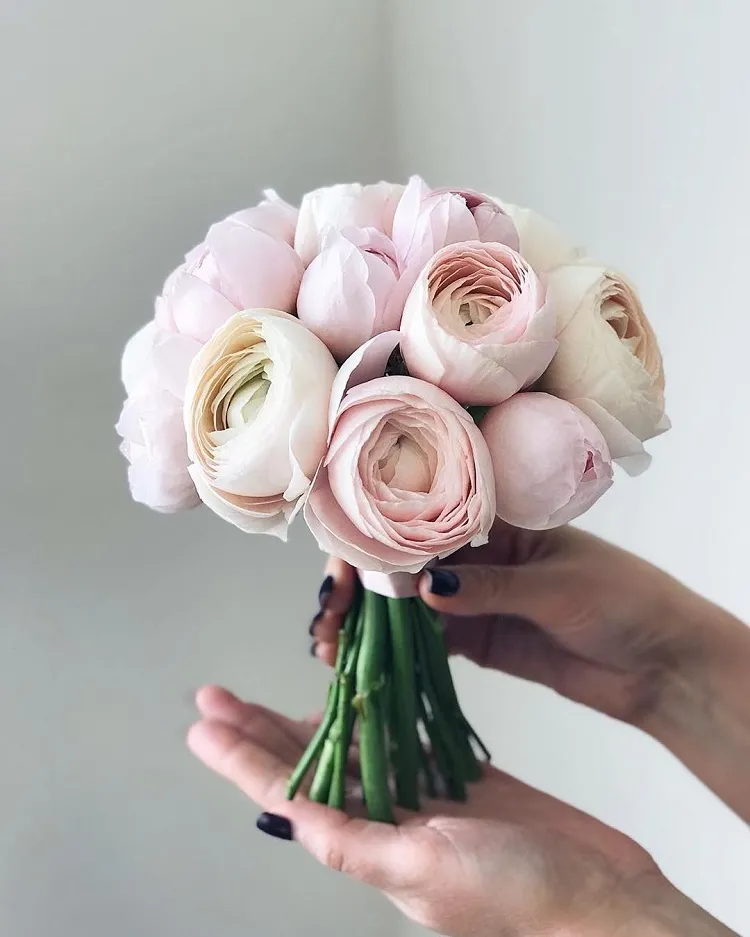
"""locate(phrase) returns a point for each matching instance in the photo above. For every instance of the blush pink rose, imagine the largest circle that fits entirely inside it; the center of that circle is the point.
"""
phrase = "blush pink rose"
(345, 292)
(154, 372)
(551, 463)
(342, 206)
(477, 323)
(407, 476)
(237, 267)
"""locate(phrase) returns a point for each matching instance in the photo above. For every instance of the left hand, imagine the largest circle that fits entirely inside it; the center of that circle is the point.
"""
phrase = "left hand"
(511, 860)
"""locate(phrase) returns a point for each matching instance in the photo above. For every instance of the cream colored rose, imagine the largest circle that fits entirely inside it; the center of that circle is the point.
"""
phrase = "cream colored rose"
(608, 363)
(256, 415)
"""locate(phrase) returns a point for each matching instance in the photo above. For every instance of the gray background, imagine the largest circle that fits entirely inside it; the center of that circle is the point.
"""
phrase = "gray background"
(126, 130)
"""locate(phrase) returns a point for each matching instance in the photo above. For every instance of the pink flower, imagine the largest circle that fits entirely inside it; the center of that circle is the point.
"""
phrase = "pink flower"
(236, 267)
(154, 371)
(407, 476)
(551, 462)
(476, 323)
(256, 414)
(342, 206)
(272, 215)
(345, 290)
(428, 219)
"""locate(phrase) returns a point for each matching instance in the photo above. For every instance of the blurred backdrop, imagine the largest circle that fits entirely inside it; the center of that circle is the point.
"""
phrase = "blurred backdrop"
(126, 130)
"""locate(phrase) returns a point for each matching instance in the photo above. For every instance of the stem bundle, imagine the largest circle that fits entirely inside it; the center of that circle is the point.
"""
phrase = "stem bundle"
(393, 683)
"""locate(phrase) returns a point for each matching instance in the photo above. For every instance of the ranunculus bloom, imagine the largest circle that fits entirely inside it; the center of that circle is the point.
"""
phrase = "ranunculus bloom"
(154, 370)
(476, 323)
(551, 463)
(407, 476)
(345, 290)
(427, 219)
(608, 363)
(272, 215)
(256, 415)
(342, 206)
(542, 243)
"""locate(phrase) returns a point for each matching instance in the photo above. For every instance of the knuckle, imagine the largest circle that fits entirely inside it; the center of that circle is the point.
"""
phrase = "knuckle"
(333, 857)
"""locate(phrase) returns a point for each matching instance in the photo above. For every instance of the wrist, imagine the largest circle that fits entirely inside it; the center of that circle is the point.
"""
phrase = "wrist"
(652, 907)
(702, 708)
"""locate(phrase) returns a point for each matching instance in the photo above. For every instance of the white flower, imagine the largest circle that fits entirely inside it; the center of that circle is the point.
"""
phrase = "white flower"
(256, 416)
(608, 362)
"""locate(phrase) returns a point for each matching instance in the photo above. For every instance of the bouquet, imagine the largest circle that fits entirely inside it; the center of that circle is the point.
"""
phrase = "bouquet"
(401, 365)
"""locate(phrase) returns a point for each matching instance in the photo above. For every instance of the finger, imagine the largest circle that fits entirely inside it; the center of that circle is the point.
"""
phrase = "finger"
(219, 705)
(260, 769)
(326, 651)
(391, 858)
(336, 595)
(524, 591)
(511, 644)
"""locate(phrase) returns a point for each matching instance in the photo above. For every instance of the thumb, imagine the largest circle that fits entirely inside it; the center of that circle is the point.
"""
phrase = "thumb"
(522, 591)
(386, 857)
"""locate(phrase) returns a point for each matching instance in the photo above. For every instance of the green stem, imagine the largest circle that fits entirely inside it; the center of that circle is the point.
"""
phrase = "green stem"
(404, 703)
(369, 701)
(344, 725)
(448, 754)
(318, 742)
(315, 746)
(445, 690)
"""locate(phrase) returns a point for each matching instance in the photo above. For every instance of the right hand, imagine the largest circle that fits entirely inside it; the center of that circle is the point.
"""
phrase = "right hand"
(560, 607)
(601, 627)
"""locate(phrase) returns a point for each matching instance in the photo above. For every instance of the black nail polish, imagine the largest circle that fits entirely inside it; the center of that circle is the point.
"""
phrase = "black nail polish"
(274, 825)
(313, 648)
(325, 590)
(443, 582)
(314, 623)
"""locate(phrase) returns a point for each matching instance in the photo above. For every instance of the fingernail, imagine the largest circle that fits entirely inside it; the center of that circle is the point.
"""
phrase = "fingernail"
(274, 825)
(443, 582)
(313, 648)
(325, 590)
(314, 623)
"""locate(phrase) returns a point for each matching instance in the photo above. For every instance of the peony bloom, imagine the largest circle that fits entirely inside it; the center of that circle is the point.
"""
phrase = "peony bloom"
(154, 371)
(407, 476)
(345, 290)
(256, 415)
(342, 206)
(238, 266)
(608, 363)
(428, 219)
(551, 463)
(476, 323)
(272, 215)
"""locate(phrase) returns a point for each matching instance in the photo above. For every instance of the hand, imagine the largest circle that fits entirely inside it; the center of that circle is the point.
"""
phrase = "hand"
(511, 861)
(600, 626)
(557, 607)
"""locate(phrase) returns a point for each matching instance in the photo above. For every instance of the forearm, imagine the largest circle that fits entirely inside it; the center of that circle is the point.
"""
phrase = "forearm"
(703, 713)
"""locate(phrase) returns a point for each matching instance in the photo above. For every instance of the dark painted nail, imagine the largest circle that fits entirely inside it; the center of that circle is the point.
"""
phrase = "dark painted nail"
(274, 825)
(313, 648)
(325, 590)
(443, 582)
(314, 623)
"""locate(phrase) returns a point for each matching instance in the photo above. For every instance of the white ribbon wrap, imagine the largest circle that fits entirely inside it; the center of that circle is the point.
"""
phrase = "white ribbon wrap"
(391, 585)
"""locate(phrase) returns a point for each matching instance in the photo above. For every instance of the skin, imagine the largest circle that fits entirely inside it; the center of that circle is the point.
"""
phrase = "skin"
(595, 624)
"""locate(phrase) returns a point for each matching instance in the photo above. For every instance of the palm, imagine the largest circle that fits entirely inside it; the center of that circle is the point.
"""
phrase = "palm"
(258, 750)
